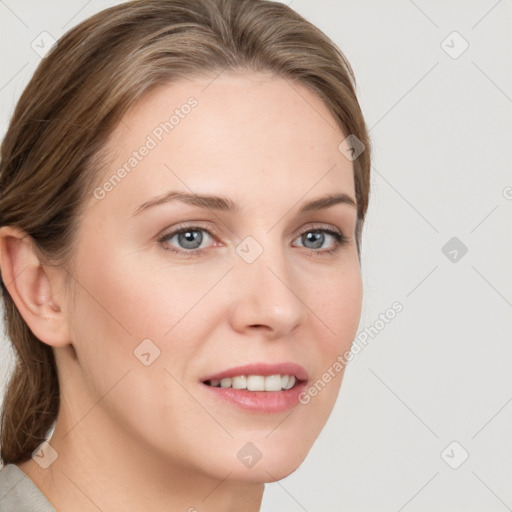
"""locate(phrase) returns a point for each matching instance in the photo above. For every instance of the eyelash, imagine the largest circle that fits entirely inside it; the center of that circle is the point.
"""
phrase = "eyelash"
(340, 240)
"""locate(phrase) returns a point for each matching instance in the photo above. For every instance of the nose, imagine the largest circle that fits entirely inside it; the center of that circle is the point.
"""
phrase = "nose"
(266, 295)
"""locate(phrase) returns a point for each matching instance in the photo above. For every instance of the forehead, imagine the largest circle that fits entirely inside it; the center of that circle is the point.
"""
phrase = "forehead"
(238, 133)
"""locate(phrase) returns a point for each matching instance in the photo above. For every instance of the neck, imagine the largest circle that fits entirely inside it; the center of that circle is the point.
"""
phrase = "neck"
(99, 469)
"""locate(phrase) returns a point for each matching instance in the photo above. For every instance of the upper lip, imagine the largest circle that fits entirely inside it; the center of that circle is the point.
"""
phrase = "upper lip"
(262, 369)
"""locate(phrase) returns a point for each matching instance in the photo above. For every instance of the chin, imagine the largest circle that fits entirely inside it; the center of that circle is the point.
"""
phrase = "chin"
(272, 471)
(261, 460)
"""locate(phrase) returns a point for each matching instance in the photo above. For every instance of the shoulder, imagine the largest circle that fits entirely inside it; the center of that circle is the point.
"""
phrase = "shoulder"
(19, 494)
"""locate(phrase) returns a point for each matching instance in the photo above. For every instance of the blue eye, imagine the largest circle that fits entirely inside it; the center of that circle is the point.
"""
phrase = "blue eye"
(317, 238)
(188, 240)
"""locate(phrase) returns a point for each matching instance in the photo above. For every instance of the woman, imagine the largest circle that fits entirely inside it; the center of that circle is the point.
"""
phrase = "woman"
(183, 188)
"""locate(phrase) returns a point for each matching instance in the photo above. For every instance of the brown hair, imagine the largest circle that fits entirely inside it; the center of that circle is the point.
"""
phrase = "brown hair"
(51, 154)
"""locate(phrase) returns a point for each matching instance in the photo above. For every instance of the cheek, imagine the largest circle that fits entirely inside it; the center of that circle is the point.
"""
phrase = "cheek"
(131, 297)
(337, 307)
(336, 310)
(117, 306)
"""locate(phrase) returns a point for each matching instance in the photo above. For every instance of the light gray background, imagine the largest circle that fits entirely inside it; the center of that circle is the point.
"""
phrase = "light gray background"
(440, 371)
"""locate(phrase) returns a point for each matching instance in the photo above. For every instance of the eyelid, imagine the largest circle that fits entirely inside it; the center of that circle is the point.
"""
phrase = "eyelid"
(315, 226)
(190, 225)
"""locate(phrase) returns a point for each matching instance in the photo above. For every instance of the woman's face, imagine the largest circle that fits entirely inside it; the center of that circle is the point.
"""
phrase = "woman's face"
(158, 317)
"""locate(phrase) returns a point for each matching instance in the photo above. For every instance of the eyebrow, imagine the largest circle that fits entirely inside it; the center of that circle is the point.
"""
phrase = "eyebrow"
(225, 204)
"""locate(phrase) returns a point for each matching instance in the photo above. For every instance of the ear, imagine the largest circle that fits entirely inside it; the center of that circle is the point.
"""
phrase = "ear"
(33, 287)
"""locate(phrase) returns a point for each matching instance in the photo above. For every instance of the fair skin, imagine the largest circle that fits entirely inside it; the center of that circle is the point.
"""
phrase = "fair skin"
(133, 437)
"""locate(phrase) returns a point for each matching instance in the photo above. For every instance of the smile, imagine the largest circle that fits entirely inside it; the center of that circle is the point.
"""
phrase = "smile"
(258, 387)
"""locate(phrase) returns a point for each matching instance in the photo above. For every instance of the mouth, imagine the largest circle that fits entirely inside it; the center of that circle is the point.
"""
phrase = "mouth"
(260, 387)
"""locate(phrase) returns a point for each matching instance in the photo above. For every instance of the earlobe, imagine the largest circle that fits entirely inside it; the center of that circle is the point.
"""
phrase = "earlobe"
(32, 287)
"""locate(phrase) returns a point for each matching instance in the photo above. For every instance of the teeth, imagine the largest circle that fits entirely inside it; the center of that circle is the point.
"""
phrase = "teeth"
(273, 383)
(225, 383)
(256, 382)
(239, 382)
(290, 383)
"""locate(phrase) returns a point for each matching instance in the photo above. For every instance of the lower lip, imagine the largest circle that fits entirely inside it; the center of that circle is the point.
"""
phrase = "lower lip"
(260, 401)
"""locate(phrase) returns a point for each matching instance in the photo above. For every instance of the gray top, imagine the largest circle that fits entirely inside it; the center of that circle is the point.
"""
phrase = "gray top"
(19, 494)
